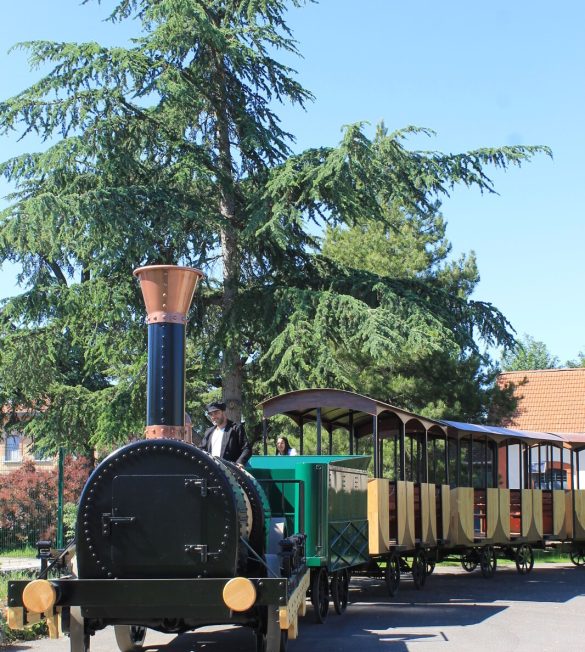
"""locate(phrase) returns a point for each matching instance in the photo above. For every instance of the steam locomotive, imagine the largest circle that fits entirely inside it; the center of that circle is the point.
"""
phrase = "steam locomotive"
(170, 538)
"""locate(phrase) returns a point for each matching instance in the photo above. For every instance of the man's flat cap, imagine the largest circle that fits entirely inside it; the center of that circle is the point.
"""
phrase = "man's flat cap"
(216, 405)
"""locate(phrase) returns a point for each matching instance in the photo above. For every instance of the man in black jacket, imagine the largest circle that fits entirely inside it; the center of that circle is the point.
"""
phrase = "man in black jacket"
(225, 438)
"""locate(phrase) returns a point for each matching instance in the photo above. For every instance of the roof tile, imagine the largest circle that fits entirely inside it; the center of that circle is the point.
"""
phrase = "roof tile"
(549, 400)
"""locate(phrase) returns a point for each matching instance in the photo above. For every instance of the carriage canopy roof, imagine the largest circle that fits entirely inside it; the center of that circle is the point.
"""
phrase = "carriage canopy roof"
(500, 434)
(340, 408)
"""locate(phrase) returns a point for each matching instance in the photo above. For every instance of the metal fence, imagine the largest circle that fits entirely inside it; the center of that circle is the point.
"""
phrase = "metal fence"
(37, 497)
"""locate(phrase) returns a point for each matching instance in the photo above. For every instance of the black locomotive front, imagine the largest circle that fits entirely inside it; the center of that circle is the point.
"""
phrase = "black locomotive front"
(163, 508)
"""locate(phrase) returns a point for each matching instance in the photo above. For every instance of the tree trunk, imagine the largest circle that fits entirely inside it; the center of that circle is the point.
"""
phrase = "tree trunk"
(232, 372)
(232, 367)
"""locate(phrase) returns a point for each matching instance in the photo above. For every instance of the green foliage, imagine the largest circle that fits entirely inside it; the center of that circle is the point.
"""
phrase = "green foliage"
(528, 354)
(169, 151)
(579, 362)
(69, 520)
(434, 369)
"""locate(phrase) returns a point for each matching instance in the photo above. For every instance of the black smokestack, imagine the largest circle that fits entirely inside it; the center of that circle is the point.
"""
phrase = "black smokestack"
(167, 291)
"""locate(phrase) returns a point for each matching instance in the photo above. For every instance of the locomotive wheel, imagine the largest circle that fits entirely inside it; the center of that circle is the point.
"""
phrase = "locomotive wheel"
(392, 575)
(320, 595)
(129, 637)
(419, 569)
(488, 561)
(78, 637)
(469, 561)
(340, 590)
(578, 556)
(269, 636)
(524, 559)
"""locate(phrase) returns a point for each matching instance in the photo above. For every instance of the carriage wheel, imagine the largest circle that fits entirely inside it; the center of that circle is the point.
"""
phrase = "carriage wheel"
(578, 556)
(488, 562)
(320, 595)
(392, 574)
(419, 569)
(340, 590)
(469, 561)
(129, 637)
(78, 637)
(524, 559)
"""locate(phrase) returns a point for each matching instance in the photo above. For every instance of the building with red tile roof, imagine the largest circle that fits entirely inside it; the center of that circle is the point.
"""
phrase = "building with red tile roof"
(549, 400)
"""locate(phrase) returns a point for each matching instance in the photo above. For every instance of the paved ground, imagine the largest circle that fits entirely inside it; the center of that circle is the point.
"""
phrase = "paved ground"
(455, 612)
(18, 563)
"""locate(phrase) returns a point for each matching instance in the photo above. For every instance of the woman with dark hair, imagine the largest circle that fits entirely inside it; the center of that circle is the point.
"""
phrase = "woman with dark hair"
(283, 447)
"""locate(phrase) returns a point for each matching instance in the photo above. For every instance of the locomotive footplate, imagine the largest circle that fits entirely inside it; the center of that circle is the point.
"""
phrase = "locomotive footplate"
(141, 600)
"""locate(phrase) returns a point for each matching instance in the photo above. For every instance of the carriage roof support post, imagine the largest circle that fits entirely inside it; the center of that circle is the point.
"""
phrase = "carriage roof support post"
(381, 456)
(470, 460)
(330, 432)
(562, 452)
(318, 431)
(576, 472)
(520, 465)
(396, 459)
(539, 466)
(265, 436)
(458, 465)
(572, 471)
(375, 446)
(485, 463)
(301, 435)
(495, 460)
(402, 451)
(351, 432)
(425, 458)
(446, 458)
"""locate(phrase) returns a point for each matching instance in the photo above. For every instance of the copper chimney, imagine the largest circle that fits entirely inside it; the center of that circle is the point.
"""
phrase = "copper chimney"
(168, 291)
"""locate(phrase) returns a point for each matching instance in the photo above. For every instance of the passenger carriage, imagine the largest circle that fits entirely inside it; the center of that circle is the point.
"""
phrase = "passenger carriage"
(407, 514)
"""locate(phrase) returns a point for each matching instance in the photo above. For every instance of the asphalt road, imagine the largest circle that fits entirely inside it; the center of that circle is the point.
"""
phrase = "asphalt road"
(455, 612)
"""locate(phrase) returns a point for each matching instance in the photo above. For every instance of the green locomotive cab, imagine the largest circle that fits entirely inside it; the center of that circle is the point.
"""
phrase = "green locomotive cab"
(324, 496)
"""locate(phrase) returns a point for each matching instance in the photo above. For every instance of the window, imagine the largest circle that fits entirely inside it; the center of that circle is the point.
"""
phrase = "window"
(13, 451)
(40, 455)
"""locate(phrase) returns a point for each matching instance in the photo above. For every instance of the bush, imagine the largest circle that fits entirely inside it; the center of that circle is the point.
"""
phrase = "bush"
(28, 500)
(7, 635)
(69, 518)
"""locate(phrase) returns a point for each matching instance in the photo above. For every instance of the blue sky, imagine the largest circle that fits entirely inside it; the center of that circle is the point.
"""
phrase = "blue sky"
(479, 74)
